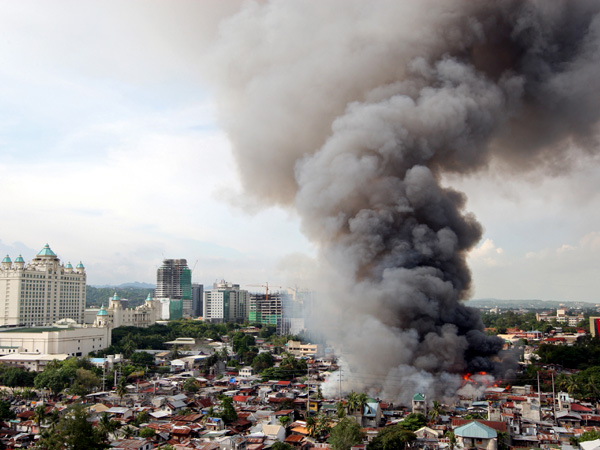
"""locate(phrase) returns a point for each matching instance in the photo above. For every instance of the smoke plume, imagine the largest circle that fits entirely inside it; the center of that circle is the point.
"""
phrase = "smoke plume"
(353, 111)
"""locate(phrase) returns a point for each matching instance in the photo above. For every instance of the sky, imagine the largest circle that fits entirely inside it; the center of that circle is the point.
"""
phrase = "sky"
(111, 152)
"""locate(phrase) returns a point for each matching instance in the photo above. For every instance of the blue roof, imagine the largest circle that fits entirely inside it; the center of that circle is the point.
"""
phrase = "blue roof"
(102, 312)
(115, 297)
(419, 397)
(7, 259)
(80, 265)
(46, 251)
(68, 266)
(476, 430)
(19, 259)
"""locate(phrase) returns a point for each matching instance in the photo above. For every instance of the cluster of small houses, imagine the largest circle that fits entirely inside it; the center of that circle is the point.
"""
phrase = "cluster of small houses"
(518, 417)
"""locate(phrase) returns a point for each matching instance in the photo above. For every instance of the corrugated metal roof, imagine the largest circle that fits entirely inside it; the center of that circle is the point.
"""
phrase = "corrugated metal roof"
(475, 430)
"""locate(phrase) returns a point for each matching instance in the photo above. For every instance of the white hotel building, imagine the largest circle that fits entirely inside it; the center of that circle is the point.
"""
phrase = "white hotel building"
(41, 292)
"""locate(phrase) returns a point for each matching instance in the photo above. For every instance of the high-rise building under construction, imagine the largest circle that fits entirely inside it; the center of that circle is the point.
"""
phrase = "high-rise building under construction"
(174, 282)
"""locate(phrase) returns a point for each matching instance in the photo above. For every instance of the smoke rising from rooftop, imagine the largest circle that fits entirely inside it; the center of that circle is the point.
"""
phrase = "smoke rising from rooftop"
(352, 112)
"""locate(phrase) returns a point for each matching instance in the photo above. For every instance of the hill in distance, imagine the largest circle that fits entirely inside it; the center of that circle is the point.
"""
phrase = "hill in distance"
(527, 304)
(135, 285)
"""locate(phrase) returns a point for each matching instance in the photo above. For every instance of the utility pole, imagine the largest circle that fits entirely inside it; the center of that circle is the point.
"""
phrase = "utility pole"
(340, 374)
(554, 400)
(308, 391)
(539, 397)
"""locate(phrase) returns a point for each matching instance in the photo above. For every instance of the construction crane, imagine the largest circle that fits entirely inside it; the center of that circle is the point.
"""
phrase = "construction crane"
(266, 286)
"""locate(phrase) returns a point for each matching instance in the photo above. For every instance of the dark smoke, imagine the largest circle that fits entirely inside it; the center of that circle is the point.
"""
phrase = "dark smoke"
(353, 112)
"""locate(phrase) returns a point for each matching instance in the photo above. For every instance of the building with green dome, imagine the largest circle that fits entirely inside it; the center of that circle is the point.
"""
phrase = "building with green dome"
(41, 292)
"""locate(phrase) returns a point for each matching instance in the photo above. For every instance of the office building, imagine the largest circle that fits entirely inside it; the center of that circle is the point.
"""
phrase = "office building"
(174, 282)
(41, 292)
(226, 302)
(197, 298)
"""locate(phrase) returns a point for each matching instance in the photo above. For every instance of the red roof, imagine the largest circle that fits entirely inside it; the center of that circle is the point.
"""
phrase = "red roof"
(580, 408)
(283, 383)
(294, 438)
(241, 398)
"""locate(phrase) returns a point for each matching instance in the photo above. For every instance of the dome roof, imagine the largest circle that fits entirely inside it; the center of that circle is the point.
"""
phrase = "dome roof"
(80, 265)
(149, 296)
(19, 259)
(68, 266)
(7, 259)
(102, 312)
(46, 251)
(115, 297)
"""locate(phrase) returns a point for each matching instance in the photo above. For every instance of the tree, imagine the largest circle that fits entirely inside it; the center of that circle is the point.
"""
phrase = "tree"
(323, 425)
(285, 420)
(191, 385)
(340, 409)
(141, 417)
(73, 432)
(451, 439)
(85, 382)
(108, 426)
(352, 398)
(142, 359)
(281, 446)
(413, 421)
(435, 412)
(128, 432)
(391, 438)
(5, 411)
(17, 377)
(503, 440)
(311, 425)
(589, 436)
(228, 413)
(262, 361)
(147, 433)
(121, 388)
(40, 415)
(345, 434)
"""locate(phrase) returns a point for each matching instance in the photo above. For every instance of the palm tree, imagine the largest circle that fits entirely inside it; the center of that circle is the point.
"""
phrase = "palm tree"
(53, 418)
(362, 400)
(311, 425)
(323, 425)
(352, 401)
(435, 412)
(340, 409)
(121, 389)
(108, 425)
(572, 386)
(451, 440)
(40, 415)
(128, 432)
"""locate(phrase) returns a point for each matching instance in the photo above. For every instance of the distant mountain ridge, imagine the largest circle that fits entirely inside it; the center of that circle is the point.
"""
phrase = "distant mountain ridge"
(135, 285)
(528, 303)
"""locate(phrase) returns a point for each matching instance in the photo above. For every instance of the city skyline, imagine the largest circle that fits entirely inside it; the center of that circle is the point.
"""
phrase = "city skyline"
(100, 128)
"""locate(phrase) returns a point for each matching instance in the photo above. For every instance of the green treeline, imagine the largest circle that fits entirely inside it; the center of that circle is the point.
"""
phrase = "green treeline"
(100, 296)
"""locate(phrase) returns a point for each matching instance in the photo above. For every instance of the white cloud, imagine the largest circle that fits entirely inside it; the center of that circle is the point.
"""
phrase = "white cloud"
(486, 253)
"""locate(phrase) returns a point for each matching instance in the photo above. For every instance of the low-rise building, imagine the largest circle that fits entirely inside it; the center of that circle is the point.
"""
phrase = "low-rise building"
(65, 337)
(299, 349)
